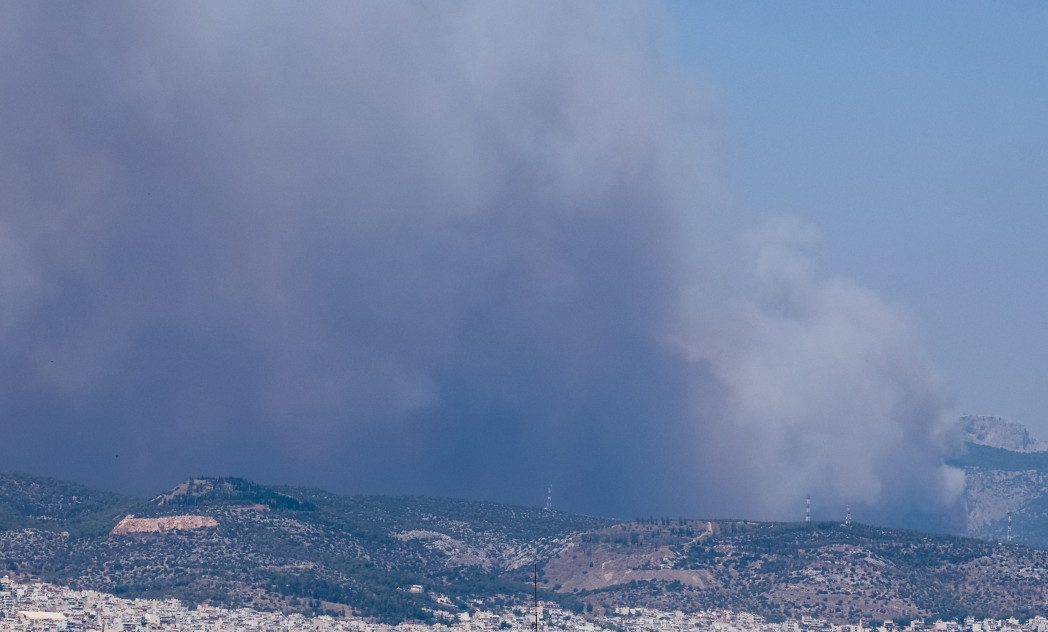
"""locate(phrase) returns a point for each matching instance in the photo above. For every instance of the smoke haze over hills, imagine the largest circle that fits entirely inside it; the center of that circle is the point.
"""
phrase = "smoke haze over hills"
(459, 250)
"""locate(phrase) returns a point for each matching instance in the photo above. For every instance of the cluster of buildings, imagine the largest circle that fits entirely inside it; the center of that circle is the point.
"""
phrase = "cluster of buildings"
(37, 607)
(645, 620)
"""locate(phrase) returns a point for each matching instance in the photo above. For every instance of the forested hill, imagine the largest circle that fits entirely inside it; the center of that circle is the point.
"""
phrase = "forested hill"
(788, 570)
(235, 542)
(278, 547)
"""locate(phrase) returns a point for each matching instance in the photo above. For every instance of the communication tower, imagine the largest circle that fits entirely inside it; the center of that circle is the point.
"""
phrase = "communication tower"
(847, 515)
(807, 509)
(1009, 536)
(538, 609)
(549, 498)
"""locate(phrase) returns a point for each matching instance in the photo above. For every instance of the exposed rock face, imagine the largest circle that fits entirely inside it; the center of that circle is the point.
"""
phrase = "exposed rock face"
(1006, 481)
(131, 524)
(998, 432)
(993, 494)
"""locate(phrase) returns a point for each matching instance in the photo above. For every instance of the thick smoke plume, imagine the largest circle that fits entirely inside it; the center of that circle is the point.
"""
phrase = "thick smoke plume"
(453, 249)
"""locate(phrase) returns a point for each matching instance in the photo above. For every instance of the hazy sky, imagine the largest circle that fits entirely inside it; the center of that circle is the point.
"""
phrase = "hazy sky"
(915, 136)
(687, 259)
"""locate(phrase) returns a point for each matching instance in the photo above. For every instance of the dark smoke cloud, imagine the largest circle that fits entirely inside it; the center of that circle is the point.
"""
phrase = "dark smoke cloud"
(442, 249)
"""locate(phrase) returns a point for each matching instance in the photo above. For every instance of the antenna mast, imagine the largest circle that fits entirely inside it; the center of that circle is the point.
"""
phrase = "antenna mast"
(847, 515)
(536, 597)
(807, 509)
(1009, 527)
(549, 498)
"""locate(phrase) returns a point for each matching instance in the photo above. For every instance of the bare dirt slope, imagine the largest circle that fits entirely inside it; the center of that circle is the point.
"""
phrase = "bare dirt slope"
(131, 524)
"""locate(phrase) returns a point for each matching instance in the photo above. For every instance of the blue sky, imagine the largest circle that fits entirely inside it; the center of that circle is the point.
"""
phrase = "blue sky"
(914, 136)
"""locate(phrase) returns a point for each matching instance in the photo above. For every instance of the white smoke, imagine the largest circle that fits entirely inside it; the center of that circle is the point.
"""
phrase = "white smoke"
(828, 391)
(423, 248)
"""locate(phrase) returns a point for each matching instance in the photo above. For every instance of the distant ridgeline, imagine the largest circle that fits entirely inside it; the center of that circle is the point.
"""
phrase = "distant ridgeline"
(991, 458)
(199, 491)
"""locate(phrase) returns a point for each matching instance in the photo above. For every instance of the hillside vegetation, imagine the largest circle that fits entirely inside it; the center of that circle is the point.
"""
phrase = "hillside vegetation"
(243, 544)
(779, 570)
(282, 548)
(49, 504)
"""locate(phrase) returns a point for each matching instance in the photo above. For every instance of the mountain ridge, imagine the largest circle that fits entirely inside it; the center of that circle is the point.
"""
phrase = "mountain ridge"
(307, 550)
(999, 432)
